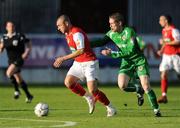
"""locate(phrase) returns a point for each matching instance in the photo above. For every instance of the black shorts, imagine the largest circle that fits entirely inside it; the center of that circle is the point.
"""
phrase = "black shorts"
(18, 63)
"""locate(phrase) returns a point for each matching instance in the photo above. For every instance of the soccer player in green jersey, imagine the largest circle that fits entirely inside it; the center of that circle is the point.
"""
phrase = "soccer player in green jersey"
(134, 83)
(133, 59)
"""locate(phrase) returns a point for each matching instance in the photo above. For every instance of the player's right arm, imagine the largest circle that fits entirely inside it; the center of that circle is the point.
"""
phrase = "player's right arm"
(162, 43)
(1, 45)
(80, 45)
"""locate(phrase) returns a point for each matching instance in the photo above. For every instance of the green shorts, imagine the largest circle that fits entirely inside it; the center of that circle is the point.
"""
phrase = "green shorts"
(137, 66)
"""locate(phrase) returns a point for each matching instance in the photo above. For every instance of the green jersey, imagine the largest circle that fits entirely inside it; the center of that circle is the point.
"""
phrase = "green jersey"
(130, 50)
(127, 43)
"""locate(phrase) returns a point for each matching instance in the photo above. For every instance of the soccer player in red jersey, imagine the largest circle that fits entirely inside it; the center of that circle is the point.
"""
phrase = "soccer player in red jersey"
(85, 65)
(170, 53)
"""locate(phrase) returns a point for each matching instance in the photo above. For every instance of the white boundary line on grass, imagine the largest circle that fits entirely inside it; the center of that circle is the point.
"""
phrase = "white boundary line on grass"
(66, 123)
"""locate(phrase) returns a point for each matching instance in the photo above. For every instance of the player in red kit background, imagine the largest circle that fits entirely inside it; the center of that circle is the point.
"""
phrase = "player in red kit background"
(170, 53)
(85, 65)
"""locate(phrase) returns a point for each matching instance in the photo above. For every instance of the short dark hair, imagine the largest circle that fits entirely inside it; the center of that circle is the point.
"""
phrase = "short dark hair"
(168, 18)
(65, 18)
(10, 21)
(117, 17)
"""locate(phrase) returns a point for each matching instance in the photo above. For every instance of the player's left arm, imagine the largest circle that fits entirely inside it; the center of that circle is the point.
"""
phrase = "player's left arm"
(176, 36)
(80, 45)
(28, 47)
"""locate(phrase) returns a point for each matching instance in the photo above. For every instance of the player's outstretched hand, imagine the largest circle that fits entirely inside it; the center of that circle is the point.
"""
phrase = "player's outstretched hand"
(106, 51)
(58, 61)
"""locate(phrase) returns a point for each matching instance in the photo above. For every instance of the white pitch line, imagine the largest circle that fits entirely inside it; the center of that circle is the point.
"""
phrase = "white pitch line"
(66, 123)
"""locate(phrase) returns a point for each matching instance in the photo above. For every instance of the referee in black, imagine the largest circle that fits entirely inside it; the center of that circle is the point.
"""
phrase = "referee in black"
(18, 48)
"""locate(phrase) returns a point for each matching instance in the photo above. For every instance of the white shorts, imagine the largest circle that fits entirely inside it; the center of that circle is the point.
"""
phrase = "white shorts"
(170, 62)
(85, 70)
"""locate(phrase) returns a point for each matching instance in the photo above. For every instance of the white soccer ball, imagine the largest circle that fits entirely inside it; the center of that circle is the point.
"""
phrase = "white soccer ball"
(41, 109)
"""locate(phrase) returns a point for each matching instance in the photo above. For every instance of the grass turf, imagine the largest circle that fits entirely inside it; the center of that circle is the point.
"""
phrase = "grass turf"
(66, 106)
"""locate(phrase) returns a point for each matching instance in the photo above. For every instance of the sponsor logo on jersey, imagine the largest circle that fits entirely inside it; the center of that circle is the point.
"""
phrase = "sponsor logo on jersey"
(21, 38)
(124, 37)
(140, 68)
(15, 42)
(167, 39)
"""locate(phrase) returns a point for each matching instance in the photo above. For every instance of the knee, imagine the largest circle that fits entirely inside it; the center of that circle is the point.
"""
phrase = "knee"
(146, 86)
(93, 91)
(92, 87)
(19, 80)
(68, 83)
(8, 74)
(163, 75)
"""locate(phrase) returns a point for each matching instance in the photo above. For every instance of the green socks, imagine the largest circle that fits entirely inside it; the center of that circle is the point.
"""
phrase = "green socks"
(152, 99)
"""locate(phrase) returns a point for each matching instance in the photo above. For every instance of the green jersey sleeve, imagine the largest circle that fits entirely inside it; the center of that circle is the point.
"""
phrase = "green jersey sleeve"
(141, 43)
(100, 42)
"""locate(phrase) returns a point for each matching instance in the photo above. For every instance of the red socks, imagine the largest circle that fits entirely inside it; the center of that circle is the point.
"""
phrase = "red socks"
(164, 85)
(100, 96)
(78, 89)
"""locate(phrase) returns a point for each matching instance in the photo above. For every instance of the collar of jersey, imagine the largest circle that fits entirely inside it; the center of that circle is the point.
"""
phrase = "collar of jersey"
(13, 34)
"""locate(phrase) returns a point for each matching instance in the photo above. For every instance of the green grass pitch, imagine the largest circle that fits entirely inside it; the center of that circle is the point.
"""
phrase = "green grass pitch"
(70, 110)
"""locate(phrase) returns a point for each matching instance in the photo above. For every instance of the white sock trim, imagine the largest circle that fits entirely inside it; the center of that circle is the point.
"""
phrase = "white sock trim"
(109, 106)
(163, 94)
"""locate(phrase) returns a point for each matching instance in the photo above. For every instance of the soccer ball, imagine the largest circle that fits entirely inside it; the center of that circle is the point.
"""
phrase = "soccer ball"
(41, 109)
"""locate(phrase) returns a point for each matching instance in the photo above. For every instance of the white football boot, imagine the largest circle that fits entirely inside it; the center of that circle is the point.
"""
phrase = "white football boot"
(91, 103)
(111, 111)
(16, 94)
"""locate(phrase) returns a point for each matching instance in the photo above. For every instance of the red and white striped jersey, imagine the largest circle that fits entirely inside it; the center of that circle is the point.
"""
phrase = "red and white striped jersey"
(168, 35)
(77, 39)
